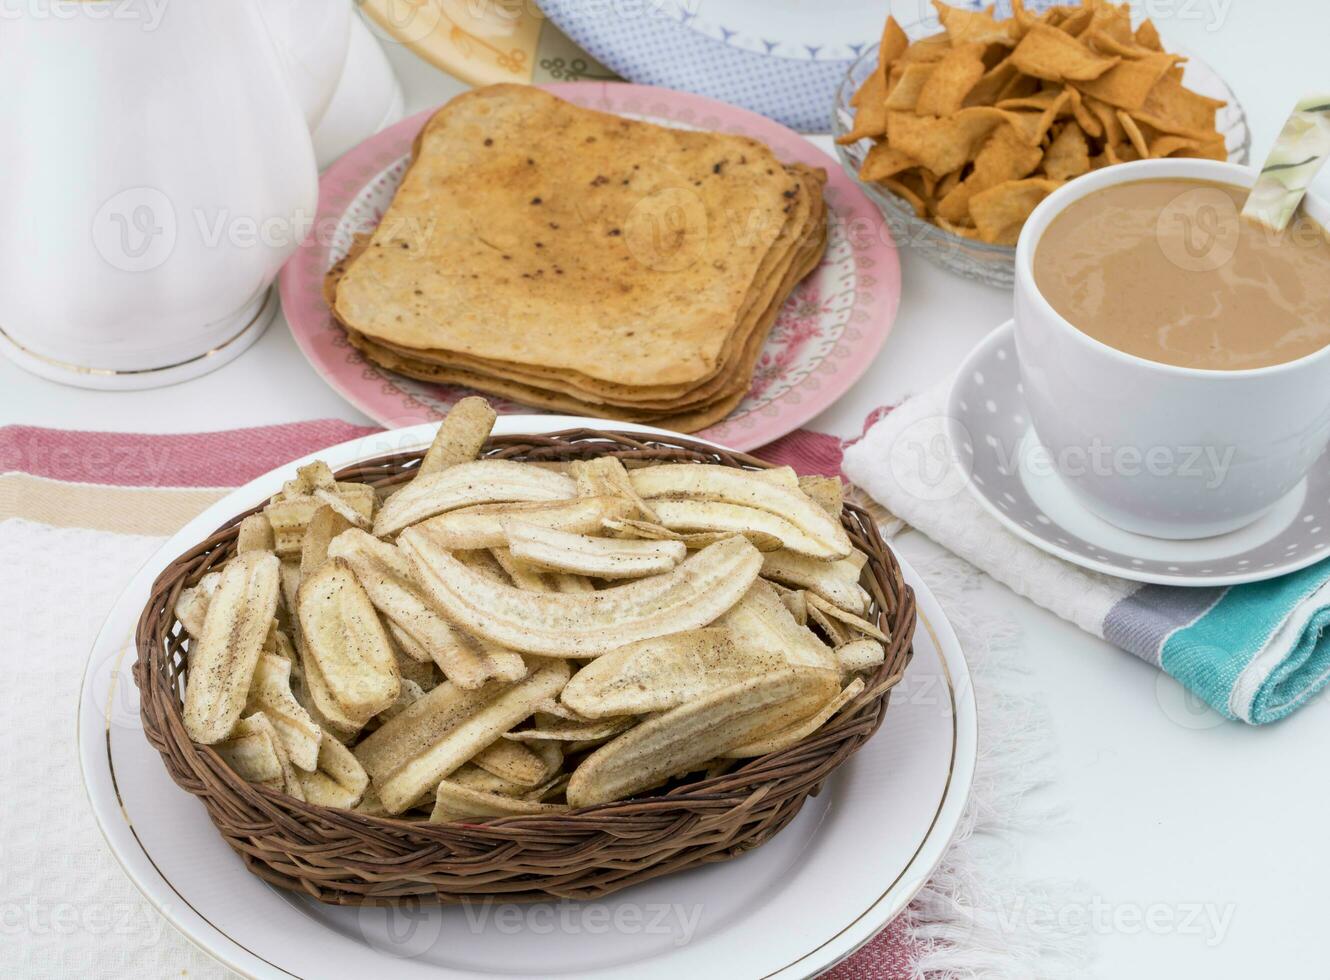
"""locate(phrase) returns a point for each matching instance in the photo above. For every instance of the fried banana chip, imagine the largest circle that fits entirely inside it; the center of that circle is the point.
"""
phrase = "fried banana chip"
(446, 728)
(290, 516)
(835, 631)
(606, 476)
(410, 693)
(344, 638)
(796, 733)
(386, 576)
(571, 584)
(461, 435)
(761, 622)
(485, 481)
(826, 491)
(254, 750)
(860, 655)
(254, 534)
(484, 526)
(698, 517)
(835, 581)
(270, 694)
(663, 673)
(693, 541)
(608, 558)
(473, 777)
(692, 595)
(856, 623)
(820, 535)
(318, 700)
(326, 524)
(338, 780)
(453, 802)
(348, 513)
(526, 577)
(559, 730)
(796, 601)
(192, 606)
(512, 761)
(222, 660)
(683, 738)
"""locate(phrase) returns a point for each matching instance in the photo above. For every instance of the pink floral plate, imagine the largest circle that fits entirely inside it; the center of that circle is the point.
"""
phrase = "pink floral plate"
(825, 337)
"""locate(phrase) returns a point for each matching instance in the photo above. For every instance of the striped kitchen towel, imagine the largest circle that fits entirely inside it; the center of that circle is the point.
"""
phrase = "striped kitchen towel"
(1252, 652)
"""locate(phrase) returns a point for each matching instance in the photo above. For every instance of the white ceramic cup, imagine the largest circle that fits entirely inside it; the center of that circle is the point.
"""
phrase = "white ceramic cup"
(1172, 452)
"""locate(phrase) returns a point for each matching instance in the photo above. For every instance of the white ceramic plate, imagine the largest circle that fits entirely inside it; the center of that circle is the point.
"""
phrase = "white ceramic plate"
(825, 885)
(1013, 477)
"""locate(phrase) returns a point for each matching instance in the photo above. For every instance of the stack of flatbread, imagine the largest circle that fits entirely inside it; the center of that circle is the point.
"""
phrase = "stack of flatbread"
(580, 261)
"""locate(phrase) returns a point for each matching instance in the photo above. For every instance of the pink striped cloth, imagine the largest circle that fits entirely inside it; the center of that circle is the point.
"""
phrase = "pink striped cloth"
(224, 459)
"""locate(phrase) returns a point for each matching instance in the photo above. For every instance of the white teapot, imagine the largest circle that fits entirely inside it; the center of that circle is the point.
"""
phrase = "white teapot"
(158, 170)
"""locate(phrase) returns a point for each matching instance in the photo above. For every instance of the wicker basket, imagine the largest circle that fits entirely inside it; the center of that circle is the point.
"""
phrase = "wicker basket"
(342, 857)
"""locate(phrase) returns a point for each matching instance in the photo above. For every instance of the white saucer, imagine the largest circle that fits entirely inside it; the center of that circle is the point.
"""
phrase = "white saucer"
(806, 899)
(1014, 479)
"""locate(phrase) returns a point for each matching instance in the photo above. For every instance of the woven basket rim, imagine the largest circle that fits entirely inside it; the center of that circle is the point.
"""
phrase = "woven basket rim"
(191, 765)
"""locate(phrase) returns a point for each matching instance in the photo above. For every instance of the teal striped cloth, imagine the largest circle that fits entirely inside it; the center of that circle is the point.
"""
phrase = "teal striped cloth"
(1252, 652)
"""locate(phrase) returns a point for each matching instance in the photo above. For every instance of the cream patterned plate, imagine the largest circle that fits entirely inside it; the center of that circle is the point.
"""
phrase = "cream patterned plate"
(822, 887)
(826, 336)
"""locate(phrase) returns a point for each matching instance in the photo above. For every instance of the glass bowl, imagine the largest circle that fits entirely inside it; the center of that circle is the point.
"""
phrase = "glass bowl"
(992, 264)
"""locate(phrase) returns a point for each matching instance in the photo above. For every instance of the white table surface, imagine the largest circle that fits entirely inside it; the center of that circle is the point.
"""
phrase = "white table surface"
(1176, 819)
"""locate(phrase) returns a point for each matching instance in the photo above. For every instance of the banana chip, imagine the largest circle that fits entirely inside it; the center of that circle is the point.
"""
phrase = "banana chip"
(513, 762)
(222, 660)
(326, 524)
(856, 623)
(703, 521)
(683, 738)
(606, 475)
(816, 533)
(254, 534)
(454, 802)
(521, 574)
(835, 581)
(446, 728)
(254, 750)
(270, 694)
(859, 655)
(663, 673)
(192, 606)
(484, 525)
(692, 595)
(486, 481)
(346, 642)
(579, 554)
(693, 541)
(826, 491)
(796, 733)
(559, 730)
(461, 435)
(473, 777)
(761, 621)
(338, 780)
(385, 574)
(290, 516)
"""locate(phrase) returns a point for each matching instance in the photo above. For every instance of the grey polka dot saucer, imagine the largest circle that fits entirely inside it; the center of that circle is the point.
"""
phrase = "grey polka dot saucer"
(1012, 476)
